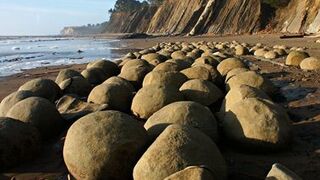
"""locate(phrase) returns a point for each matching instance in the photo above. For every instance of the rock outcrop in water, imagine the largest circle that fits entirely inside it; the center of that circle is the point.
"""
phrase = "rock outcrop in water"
(219, 17)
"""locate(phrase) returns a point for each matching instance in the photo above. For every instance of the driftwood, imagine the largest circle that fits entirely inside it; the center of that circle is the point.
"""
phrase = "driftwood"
(290, 36)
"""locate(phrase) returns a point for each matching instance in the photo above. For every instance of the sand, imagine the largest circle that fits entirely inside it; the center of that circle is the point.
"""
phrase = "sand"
(299, 94)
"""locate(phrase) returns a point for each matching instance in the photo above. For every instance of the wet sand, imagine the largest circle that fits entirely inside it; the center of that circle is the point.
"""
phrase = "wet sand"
(299, 94)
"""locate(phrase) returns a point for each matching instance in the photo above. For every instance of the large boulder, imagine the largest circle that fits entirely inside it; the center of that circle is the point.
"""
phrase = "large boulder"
(235, 72)
(18, 142)
(45, 88)
(207, 60)
(201, 91)
(150, 99)
(310, 63)
(120, 81)
(240, 50)
(94, 75)
(76, 85)
(182, 63)
(178, 55)
(164, 78)
(104, 145)
(216, 77)
(12, 99)
(253, 79)
(154, 56)
(260, 52)
(167, 66)
(134, 71)
(40, 113)
(192, 172)
(271, 55)
(108, 67)
(228, 64)
(240, 93)
(184, 113)
(294, 58)
(177, 148)
(257, 123)
(116, 96)
(198, 72)
(66, 74)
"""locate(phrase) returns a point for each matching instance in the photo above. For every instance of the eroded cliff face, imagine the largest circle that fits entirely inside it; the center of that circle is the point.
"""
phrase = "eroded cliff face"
(218, 17)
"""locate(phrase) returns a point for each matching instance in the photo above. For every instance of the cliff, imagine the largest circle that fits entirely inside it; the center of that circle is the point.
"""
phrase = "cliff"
(219, 17)
(83, 30)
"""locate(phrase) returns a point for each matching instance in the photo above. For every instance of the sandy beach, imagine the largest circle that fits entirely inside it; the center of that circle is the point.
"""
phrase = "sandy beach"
(300, 96)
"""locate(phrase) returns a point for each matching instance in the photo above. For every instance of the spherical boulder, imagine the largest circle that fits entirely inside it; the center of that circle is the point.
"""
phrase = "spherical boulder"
(310, 63)
(104, 145)
(198, 72)
(150, 99)
(18, 142)
(177, 148)
(207, 60)
(192, 172)
(257, 123)
(95, 76)
(167, 66)
(271, 55)
(240, 50)
(134, 71)
(66, 74)
(116, 96)
(184, 113)
(120, 81)
(295, 58)
(40, 113)
(12, 99)
(108, 67)
(182, 63)
(240, 93)
(216, 77)
(228, 64)
(164, 78)
(178, 55)
(76, 85)
(153, 56)
(45, 88)
(201, 91)
(235, 72)
(260, 52)
(253, 79)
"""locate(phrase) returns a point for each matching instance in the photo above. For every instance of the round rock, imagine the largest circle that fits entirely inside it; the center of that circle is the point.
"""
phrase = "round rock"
(116, 96)
(18, 142)
(164, 78)
(177, 148)
(310, 63)
(228, 64)
(257, 123)
(45, 88)
(66, 74)
(40, 113)
(184, 113)
(150, 99)
(295, 58)
(104, 145)
(201, 91)
(108, 67)
(198, 72)
(12, 99)
(76, 85)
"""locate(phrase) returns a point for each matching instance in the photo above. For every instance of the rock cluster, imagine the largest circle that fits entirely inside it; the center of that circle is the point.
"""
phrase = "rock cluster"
(157, 114)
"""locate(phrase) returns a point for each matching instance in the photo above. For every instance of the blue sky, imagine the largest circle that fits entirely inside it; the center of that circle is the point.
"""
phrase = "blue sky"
(48, 17)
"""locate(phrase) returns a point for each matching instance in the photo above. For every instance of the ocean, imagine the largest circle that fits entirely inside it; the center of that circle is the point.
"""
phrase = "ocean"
(19, 54)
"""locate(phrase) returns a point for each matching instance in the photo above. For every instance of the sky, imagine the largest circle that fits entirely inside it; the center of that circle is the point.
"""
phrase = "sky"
(48, 17)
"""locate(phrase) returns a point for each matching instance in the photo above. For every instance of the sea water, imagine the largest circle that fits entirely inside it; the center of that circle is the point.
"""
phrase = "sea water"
(20, 54)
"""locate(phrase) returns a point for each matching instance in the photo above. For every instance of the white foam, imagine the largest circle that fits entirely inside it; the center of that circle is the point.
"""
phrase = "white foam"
(15, 48)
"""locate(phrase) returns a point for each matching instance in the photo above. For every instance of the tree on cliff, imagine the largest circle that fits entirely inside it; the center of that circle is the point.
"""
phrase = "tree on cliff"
(127, 5)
